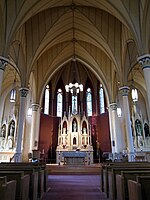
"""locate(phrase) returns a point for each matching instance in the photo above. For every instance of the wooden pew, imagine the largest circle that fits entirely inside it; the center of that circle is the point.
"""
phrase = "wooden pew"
(33, 184)
(107, 166)
(112, 178)
(109, 171)
(139, 189)
(7, 189)
(134, 190)
(42, 175)
(122, 182)
(22, 183)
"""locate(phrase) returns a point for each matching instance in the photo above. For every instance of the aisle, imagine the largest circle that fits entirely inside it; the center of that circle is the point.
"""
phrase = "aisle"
(74, 187)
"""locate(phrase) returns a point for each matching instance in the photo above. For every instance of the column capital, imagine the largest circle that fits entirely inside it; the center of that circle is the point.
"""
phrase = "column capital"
(144, 61)
(23, 92)
(113, 106)
(3, 64)
(35, 107)
(124, 90)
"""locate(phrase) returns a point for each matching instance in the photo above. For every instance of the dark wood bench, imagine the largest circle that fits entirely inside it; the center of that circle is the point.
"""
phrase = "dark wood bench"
(122, 182)
(33, 184)
(22, 183)
(107, 166)
(109, 171)
(38, 182)
(7, 189)
(139, 189)
(38, 165)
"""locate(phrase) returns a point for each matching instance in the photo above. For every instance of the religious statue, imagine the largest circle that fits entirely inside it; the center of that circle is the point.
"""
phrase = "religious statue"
(84, 130)
(74, 126)
(139, 132)
(10, 143)
(64, 131)
(12, 128)
(3, 131)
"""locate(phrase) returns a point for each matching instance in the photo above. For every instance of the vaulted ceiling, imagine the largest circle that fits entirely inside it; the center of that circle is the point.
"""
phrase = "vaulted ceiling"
(42, 36)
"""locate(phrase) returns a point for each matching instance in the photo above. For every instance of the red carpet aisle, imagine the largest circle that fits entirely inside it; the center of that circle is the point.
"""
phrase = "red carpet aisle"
(74, 187)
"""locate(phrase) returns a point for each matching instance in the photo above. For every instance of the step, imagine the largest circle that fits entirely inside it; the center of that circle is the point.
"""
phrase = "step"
(73, 169)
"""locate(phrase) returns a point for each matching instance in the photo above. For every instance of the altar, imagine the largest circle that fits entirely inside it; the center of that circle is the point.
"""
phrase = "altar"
(74, 158)
(74, 141)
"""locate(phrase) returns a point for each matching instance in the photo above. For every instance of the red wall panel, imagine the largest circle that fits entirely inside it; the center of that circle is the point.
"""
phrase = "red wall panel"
(48, 133)
(103, 132)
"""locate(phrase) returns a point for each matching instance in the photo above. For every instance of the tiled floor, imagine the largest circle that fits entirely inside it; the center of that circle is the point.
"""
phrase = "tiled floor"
(74, 187)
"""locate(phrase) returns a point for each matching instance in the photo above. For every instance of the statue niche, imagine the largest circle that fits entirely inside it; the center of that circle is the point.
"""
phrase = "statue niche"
(139, 132)
(3, 131)
(11, 133)
(2, 136)
(74, 125)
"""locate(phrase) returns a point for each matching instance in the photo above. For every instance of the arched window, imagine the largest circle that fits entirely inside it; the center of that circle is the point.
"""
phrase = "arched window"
(101, 97)
(89, 102)
(46, 100)
(59, 103)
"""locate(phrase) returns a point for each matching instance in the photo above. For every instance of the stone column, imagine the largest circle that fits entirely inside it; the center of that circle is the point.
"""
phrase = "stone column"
(145, 63)
(117, 133)
(20, 128)
(34, 139)
(130, 147)
(111, 131)
(2, 69)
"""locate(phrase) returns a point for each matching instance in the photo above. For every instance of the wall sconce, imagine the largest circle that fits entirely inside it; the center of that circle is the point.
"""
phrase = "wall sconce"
(119, 112)
(13, 92)
(29, 114)
(13, 96)
(134, 95)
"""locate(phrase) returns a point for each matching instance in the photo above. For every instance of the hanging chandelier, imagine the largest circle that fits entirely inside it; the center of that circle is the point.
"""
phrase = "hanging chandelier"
(74, 88)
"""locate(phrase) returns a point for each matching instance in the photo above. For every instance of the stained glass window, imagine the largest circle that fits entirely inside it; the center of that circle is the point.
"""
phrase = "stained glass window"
(102, 103)
(89, 102)
(46, 102)
(59, 103)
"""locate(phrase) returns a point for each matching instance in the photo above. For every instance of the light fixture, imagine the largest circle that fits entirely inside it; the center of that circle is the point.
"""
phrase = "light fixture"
(134, 92)
(13, 92)
(29, 114)
(74, 88)
(13, 96)
(119, 112)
